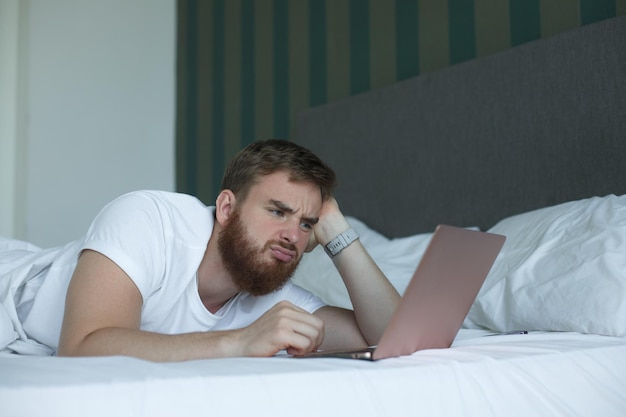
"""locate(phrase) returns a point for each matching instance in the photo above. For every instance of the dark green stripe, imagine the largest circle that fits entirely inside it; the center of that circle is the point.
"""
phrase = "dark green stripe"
(247, 71)
(217, 131)
(525, 21)
(281, 70)
(359, 46)
(462, 30)
(190, 132)
(595, 10)
(232, 76)
(317, 62)
(407, 50)
(298, 62)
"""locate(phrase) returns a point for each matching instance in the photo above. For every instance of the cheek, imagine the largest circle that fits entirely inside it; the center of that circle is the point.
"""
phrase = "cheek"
(304, 242)
(254, 224)
(263, 233)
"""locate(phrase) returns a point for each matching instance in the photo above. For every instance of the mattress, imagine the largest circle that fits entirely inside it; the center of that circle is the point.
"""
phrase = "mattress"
(482, 374)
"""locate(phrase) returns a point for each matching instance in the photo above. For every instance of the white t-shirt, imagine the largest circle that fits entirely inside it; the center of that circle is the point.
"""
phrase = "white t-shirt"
(158, 238)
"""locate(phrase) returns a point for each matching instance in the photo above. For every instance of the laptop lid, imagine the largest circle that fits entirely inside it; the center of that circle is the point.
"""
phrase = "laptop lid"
(441, 291)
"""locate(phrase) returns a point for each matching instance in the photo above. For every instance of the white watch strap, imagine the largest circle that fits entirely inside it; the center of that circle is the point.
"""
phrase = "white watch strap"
(341, 242)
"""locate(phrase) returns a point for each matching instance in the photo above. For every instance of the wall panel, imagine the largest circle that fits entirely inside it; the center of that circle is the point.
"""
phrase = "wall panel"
(247, 67)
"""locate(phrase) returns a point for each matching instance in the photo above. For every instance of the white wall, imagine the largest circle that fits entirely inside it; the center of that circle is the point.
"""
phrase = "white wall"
(97, 98)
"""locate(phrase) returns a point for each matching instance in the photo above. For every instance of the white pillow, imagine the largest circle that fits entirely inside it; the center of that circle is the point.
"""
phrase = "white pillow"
(562, 268)
(397, 258)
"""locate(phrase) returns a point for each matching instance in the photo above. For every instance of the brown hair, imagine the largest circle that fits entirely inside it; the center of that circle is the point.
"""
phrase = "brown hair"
(269, 156)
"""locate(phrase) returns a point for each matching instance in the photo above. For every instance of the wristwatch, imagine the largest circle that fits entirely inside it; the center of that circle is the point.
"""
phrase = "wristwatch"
(341, 242)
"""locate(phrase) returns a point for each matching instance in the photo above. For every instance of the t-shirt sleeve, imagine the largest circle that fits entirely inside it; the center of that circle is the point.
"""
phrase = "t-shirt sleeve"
(130, 232)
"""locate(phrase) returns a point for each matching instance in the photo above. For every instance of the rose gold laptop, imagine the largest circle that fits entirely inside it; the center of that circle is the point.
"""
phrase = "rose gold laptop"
(439, 296)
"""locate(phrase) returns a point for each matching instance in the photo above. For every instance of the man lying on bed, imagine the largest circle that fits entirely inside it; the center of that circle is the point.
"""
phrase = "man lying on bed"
(160, 276)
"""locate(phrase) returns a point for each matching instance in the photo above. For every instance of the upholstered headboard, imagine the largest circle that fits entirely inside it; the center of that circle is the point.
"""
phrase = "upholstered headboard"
(533, 126)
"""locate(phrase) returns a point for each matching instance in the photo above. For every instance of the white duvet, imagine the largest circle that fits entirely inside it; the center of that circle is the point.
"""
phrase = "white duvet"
(539, 374)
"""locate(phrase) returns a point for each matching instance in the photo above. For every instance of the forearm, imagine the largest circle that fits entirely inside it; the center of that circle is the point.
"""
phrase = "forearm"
(154, 346)
(283, 327)
(373, 297)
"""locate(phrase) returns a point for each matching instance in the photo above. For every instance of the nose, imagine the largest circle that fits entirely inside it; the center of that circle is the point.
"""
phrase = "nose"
(290, 233)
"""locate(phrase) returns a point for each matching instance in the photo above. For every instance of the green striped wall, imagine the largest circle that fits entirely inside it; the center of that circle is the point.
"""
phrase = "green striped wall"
(247, 67)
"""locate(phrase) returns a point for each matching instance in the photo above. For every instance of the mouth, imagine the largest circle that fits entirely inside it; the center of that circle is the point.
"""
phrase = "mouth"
(283, 254)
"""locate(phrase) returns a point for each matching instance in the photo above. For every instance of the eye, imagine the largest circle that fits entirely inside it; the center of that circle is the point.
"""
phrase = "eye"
(276, 212)
(306, 226)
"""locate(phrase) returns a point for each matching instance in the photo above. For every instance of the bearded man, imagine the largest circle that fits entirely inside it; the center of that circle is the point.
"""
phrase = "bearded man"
(162, 277)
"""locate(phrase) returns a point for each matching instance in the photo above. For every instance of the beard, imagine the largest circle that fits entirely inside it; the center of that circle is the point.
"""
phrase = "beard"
(246, 262)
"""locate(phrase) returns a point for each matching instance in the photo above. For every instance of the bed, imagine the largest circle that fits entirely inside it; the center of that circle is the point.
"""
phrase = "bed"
(529, 143)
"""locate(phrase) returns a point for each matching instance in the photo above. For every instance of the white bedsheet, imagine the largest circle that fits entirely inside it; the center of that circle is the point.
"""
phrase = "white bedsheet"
(539, 374)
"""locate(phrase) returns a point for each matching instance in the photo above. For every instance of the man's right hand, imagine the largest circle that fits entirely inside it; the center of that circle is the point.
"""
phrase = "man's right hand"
(283, 327)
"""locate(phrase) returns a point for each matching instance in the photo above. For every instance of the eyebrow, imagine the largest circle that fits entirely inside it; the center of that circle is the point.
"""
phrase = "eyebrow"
(284, 207)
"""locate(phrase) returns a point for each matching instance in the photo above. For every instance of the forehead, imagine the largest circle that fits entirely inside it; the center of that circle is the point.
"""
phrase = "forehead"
(278, 186)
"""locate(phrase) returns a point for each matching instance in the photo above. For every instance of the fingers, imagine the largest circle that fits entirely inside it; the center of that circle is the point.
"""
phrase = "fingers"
(283, 327)
(296, 330)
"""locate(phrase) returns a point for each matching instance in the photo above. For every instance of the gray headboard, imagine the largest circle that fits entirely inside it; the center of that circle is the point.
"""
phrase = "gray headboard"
(533, 126)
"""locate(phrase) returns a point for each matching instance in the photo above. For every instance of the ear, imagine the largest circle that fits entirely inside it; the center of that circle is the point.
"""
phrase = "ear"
(224, 206)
